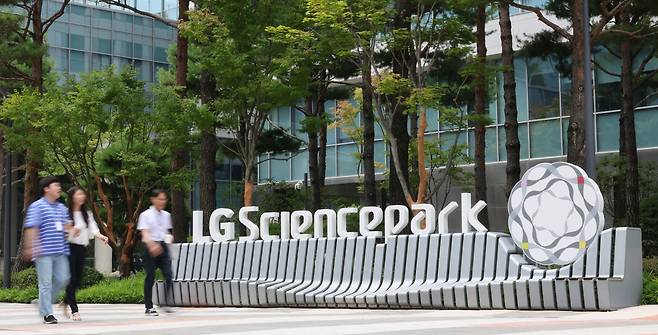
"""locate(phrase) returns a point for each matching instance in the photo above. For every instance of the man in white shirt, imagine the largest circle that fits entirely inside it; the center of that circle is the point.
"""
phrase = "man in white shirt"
(155, 225)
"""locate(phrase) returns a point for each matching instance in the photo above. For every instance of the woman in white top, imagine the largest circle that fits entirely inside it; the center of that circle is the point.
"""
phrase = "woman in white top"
(84, 229)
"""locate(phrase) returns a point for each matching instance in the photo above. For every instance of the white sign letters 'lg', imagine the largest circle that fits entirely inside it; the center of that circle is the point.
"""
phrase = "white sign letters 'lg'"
(294, 225)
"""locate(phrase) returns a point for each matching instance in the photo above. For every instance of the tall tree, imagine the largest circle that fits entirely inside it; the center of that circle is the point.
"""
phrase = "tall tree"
(480, 108)
(401, 22)
(317, 53)
(631, 38)
(512, 143)
(233, 36)
(573, 11)
(180, 155)
(31, 71)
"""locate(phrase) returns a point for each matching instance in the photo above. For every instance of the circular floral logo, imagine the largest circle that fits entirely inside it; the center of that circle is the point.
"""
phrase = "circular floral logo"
(555, 213)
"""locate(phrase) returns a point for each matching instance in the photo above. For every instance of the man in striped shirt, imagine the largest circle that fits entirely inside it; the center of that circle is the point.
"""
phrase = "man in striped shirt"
(46, 225)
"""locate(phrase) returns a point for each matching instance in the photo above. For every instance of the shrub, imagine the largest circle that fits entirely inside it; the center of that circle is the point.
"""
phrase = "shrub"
(650, 289)
(115, 291)
(24, 279)
(650, 265)
(90, 277)
(17, 295)
(28, 278)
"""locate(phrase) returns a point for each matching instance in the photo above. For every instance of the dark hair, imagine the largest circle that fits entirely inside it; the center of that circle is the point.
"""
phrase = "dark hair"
(83, 208)
(156, 192)
(47, 181)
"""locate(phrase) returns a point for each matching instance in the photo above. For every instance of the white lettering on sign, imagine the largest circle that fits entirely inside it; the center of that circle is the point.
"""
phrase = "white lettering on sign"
(296, 224)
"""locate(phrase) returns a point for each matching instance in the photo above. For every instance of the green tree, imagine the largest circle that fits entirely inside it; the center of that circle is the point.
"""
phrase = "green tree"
(572, 10)
(240, 56)
(512, 143)
(631, 38)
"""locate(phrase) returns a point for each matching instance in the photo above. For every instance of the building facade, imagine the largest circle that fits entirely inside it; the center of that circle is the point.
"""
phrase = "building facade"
(92, 35)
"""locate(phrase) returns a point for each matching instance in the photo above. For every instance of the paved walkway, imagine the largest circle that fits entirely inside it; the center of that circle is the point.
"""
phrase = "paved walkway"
(129, 319)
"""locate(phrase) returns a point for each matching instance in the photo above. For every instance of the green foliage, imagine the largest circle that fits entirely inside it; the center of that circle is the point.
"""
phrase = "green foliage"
(609, 169)
(277, 140)
(27, 279)
(114, 291)
(17, 295)
(24, 279)
(279, 197)
(650, 280)
(649, 225)
(16, 49)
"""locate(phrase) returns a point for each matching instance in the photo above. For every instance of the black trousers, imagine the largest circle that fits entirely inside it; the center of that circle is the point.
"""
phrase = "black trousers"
(76, 264)
(162, 261)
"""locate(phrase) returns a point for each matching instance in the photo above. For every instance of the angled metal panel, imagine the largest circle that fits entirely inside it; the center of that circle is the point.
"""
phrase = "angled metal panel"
(305, 259)
(313, 278)
(351, 277)
(341, 282)
(333, 268)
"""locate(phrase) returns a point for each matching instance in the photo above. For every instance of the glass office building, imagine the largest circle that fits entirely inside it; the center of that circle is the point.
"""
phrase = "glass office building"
(92, 35)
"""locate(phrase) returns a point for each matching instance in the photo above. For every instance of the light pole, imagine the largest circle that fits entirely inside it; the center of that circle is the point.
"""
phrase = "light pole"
(590, 131)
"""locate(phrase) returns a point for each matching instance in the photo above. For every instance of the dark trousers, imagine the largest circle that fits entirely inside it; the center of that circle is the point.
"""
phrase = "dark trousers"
(76, 264)
(162, 261)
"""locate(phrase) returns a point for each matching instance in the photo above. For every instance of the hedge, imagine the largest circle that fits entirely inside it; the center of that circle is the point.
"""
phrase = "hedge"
(28, 278)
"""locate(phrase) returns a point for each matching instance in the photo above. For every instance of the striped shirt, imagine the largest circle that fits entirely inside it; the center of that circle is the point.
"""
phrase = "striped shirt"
(49, 219)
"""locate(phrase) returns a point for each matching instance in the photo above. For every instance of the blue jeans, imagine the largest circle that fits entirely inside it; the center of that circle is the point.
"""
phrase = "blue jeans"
(53, 275)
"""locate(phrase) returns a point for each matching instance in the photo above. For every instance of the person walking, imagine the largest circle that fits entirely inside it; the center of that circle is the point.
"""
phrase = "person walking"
(46, 225)
(155, 225)
(84, 229)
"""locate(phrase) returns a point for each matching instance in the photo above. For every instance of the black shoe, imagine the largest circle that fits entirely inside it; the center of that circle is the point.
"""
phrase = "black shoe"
(49, 320)
(151, 312)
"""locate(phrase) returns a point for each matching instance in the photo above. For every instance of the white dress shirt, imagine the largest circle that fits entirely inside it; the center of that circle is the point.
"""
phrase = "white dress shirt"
(87, 232)
(157, 222)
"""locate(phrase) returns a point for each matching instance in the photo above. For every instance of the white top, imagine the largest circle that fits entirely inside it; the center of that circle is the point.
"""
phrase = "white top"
(86, 232)
(156, 222)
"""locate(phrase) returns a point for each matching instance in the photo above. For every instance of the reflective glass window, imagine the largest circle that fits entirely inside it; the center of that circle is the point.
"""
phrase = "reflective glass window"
(646, 123)
(79, 62)
(348, 161)
(80, 37)
(607, 132)
(300, 165)
(101, 41)
(523, 139)
(543, 89)
(545, 139)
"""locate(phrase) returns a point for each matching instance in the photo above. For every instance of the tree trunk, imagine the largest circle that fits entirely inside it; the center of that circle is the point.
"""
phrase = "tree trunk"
(30, 194)
(399, 121)
(313, 167)
(619, 182)
(576, 131)
(368, 124)
(127, 248)
(248, 196)
(512, 144)
(207, 184)
(322, 150)
(178, 219)
(632, 184)
(179, 155)
(209, 147)
(480, 103)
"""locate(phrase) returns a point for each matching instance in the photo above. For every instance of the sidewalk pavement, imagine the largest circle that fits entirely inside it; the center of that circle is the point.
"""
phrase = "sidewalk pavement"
(130, 319)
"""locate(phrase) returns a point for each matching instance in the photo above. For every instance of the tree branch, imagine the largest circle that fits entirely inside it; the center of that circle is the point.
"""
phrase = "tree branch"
(49, 22)
(543, 19)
